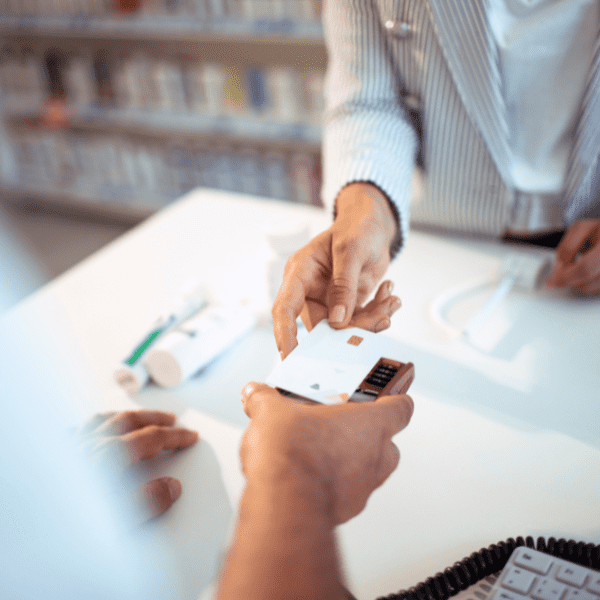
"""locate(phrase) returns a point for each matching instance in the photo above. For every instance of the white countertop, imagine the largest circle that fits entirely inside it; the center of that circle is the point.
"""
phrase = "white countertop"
(505, 437)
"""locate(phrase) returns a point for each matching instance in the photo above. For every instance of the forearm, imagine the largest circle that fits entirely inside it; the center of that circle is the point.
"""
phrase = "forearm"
(368, 135)
(284, 545)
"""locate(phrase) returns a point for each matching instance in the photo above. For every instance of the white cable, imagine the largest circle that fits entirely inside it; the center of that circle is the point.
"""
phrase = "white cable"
(486, 310)
(527, 271)
(436, 308)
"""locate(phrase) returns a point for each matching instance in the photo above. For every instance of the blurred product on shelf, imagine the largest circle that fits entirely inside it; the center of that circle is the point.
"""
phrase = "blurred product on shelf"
(80, 85)
(235, 94)
(306, 179)
(141, 82)
(126, 6)
(115, 168)
(255, 82)
(22, 76)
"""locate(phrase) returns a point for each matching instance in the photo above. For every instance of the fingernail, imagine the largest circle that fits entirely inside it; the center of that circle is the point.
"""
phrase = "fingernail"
(174, 488)
(381, 325)
(390, 287)
(337, 314)
(410, 403)
(281, 355)
(247, 391)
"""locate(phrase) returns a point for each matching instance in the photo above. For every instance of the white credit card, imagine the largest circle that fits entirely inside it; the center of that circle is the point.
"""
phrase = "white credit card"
(328, 365)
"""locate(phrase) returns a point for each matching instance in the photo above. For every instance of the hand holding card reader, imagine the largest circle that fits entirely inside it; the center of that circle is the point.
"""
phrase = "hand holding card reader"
(331, 366)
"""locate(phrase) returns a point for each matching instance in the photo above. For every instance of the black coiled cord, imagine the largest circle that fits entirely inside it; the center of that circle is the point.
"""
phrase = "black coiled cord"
(492, 559)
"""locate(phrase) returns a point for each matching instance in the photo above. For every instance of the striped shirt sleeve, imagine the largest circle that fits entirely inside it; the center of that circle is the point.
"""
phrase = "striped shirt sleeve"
(367, 135)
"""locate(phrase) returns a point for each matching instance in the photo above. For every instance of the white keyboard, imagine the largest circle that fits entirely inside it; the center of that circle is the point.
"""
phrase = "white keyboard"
(533, 575)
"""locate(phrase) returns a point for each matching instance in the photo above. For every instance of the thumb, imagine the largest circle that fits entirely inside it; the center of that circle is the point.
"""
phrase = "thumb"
(343, 288)
(255, 396)
(395, 412)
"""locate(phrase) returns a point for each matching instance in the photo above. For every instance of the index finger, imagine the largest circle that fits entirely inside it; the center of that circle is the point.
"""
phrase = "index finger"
(130, 420)
(573, 240)
(395, 412)
(286, 309)
(150, 441)
(583, 272)
(343, 288)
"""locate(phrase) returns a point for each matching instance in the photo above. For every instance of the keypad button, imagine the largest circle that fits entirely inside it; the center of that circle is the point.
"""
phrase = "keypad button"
(573, 575)
(594, 585)
(573, 594)
(534, 561)
(533, 575)
(518, 580)
(506, 595)
(548, 589)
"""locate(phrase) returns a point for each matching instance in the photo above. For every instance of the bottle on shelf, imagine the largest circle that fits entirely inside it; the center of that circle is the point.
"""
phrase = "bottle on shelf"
(276, 179)
(235, 92)
(214, 81)
(79, 81)
(305, 179)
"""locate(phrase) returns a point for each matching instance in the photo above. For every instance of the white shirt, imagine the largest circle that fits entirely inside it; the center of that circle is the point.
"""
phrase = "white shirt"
(545, 51)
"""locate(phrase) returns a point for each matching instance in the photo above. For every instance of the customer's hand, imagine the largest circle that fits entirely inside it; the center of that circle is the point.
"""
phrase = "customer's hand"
(344, 449)
(118, 440)
(579, 274)
(335, 272)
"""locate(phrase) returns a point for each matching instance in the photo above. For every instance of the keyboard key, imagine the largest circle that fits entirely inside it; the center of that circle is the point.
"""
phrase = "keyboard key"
(573, 594)
(534, 561)
(573, 575)
(594, 585)
(532, 575)
(506, 595)
(548, 589)
(518, 580)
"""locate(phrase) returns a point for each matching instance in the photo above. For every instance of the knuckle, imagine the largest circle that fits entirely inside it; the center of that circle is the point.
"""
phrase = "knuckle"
(279, 309)
(587, 269)
(295, 261)
(394, 455)
(155, 432)
(128, 420)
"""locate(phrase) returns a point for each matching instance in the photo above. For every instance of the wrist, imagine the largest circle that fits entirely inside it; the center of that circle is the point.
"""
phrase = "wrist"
(282, 477)
(367, 199)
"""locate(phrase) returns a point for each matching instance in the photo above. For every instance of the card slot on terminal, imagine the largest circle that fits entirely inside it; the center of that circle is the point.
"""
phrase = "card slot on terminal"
(387, 378)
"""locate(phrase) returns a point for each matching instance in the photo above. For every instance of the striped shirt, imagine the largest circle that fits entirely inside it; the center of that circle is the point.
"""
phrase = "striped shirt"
(439, 73)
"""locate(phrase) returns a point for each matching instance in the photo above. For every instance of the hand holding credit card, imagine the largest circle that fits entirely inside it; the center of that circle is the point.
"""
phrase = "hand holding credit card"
(331, 366)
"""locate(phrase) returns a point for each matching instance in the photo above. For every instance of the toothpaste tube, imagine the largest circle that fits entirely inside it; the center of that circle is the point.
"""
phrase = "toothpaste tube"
(195, 343)
(131, 373)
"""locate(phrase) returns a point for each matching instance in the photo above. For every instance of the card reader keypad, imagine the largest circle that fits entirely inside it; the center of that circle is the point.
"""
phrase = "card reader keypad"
(382, 375)
(533, 575)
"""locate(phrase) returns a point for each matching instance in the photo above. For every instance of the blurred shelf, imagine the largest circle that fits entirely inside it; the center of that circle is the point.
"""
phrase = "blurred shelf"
(164, 149)
(118, 205)
(256, 130)
(171, 28)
